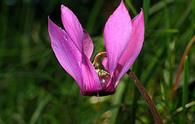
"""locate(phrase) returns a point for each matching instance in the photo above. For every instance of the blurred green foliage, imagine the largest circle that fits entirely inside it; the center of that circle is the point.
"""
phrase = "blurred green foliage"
(34, 89)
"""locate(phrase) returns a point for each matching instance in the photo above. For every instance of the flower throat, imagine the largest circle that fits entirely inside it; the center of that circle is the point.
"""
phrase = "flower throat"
(102, 73)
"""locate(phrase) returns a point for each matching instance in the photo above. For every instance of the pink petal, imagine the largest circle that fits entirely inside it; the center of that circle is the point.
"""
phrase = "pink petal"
(75, 31)
(105, 63)
(72, 26)
(135, 45)
(66, 52)
(87, 45)
(117, 34)
(91, 81)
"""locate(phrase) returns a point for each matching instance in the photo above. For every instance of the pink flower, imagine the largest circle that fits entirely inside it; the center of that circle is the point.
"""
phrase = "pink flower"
(73, 47)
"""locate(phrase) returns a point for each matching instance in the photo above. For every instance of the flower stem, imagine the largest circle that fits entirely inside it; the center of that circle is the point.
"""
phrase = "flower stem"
(147, 98)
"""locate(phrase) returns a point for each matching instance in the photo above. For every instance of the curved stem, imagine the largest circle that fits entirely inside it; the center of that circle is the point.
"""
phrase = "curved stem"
(147, 98)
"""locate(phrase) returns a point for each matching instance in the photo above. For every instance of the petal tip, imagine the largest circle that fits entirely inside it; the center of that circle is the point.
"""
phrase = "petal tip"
(50, 23)
(140, 16)
(49, 20)
(122, 7)
(122, 3)
(142, 12)
(62, 6)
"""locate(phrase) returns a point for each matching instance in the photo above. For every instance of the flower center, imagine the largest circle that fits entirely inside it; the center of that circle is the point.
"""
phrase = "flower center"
(102, 73)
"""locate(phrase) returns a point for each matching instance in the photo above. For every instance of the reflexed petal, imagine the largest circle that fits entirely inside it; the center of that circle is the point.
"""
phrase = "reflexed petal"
(134, 47)
(87, 45)
(91, 82)
(67, 54)
(117, 34)
(72, 26)
(105, 63)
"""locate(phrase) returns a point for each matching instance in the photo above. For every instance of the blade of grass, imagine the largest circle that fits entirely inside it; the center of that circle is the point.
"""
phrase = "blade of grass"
(117, 101)
(29, 74)
(150, 70)
(170, 51)
(181, 109)
(1, 121)
(185, 91)
(193, 14)
(93, 15)
(187, 106)
(146, 6)
(131, 7)
(186, 81)
(184, 16)
(39, 109)
(158, 6)
(134, 105)
(180, 68)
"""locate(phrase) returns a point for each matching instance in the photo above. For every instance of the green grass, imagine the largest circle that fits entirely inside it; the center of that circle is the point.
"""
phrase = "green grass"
(35, 89)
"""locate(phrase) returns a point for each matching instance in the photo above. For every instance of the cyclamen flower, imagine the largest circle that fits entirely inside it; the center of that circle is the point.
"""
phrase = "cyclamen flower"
(73, 47)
